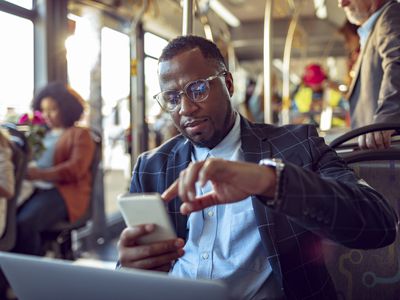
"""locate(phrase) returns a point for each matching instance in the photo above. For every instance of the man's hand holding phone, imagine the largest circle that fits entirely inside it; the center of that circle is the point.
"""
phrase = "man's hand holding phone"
(154, 256)
(149, 241)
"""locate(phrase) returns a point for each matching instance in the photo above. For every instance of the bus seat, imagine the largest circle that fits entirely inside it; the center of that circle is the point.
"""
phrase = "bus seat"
(369, 274)
(58, 240)
(20, 152)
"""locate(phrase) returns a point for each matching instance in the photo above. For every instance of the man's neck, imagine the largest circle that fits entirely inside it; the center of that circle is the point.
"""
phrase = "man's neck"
(378, 4)
(375, 6)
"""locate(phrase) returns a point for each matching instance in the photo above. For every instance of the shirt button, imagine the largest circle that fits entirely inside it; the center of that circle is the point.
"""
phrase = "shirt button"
(204, 255)
(210, 213)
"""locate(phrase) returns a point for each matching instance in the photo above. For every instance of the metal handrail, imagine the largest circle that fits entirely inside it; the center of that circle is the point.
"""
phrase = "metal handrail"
(339, 142)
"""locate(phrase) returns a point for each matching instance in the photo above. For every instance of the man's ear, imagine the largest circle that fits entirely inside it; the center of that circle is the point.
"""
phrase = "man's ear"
(229, 83)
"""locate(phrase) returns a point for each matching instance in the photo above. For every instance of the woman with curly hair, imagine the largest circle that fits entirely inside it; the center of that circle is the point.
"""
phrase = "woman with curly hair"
(62, 173)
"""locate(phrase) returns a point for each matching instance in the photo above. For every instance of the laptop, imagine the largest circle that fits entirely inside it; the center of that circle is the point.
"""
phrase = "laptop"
(41, 278)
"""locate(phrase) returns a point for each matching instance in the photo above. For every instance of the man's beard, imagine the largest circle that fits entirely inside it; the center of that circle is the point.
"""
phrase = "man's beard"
(356, 18)
(218, 135)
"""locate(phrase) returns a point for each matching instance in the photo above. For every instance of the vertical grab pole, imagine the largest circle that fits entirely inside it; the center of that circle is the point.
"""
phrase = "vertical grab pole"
(267, 53)
(139, 129)
(285, 119)
(187, 18)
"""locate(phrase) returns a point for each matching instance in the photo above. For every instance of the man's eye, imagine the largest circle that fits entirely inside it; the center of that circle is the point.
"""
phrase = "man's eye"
(171, 97)
(197, 89)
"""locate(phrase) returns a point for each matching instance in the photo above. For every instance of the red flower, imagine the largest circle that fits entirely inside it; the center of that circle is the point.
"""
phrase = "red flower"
(36, 119)
(24, 119)
(35, 129)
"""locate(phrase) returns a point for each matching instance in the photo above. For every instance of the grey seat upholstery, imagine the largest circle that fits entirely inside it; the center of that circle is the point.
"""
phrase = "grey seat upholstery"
(369, 274)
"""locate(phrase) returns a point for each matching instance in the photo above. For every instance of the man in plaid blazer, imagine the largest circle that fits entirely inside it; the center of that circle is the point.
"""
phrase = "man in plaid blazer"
(302, 192)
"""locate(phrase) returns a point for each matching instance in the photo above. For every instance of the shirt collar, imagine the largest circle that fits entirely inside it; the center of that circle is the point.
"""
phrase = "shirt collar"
(225, 148)
(365, 29)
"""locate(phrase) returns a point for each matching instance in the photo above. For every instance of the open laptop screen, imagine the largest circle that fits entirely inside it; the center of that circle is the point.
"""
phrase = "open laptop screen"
(38, 278)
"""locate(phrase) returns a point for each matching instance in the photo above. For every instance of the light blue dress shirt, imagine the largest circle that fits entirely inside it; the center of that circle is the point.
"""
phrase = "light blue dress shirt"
(366, 28)
(224, 242)
(46, 160)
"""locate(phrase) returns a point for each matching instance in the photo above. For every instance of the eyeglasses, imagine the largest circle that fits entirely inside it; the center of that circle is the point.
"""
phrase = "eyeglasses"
(197, 91)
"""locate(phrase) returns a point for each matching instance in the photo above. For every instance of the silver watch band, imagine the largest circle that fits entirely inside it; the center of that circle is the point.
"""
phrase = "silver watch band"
(279, 166)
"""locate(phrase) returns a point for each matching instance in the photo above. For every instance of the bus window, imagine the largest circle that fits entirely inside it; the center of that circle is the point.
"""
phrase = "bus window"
(158, 123)
(16, 61)
(23, 3)
(115, 89)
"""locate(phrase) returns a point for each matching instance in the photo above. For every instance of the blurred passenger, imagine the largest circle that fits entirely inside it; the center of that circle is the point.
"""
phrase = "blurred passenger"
(256, 101)
(244, 107)
(375, 91)
(11, 115)
(7, 180)
(62, 172)
(128, 140)
(352, 45)
(315, 95)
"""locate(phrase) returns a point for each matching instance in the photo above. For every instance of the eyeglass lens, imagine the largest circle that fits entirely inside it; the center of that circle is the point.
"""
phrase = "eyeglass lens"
(196, 91)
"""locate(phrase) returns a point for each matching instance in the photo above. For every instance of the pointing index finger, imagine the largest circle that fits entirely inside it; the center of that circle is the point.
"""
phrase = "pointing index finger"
(171, 192)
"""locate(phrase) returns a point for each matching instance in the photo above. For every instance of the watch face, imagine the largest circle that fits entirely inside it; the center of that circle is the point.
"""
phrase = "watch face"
(267, 162)
(270, 162)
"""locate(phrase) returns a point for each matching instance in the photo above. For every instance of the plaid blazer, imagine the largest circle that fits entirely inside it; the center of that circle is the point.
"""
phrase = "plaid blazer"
(320, 196)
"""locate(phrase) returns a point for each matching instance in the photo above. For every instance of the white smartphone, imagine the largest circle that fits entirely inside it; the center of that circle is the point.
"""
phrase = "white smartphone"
(147, 208)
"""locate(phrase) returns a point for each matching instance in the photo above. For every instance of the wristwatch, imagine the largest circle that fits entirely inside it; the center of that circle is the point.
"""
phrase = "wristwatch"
(279, 166)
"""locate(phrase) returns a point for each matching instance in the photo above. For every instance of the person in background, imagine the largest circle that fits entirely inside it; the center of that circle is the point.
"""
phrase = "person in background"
(374, 94)
(250, 203)
(315, 94)
(352, 45)
(11, 115)
(255, 102)
(7, 179)
(62, 173)
(244, 107)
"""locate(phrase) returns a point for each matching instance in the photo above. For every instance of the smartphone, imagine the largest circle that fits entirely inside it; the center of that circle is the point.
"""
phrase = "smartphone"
(147, 208)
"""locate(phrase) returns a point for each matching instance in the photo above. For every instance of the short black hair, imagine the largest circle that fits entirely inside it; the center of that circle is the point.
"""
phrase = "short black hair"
(70, 103)
(184, 43)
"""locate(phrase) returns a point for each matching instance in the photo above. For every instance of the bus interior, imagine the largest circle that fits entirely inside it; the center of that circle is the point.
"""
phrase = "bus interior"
(107, 50)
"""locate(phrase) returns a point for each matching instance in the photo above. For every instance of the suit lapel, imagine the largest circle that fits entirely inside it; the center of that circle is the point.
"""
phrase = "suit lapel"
(180, 158)
(255, 146)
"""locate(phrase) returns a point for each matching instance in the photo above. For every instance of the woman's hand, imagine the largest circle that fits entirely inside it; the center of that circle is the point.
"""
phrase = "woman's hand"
(33, 173)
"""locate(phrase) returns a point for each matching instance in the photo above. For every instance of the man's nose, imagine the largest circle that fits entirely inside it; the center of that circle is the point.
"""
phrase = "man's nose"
(187, 106)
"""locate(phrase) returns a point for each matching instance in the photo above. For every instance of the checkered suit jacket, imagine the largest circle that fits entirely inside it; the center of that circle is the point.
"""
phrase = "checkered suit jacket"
(320, 196)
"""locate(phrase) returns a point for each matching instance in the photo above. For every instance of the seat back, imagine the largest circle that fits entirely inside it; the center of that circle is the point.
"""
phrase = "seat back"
(20, 152)
(369, 274)
(58, 238)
